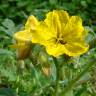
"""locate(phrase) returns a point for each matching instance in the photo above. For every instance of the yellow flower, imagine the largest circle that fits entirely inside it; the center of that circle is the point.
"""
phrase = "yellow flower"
(61, 34)
(23, 38)
(25, 35)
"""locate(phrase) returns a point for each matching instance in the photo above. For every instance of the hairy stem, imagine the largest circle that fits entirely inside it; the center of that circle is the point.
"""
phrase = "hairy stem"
(57, 76)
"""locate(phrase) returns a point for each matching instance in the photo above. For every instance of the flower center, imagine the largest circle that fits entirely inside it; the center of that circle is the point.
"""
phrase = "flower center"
(61, 41)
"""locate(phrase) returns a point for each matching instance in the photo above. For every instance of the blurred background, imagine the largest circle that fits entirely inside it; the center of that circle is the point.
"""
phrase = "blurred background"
(13, 15)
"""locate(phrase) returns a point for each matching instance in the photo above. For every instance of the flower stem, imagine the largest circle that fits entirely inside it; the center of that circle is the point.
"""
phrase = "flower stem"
(57, 76)
(74, 81)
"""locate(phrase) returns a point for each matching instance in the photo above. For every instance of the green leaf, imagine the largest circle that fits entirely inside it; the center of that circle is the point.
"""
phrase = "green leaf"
(70, 93)
(8, 23)
(53, 2)
(7, 92)
(8, 27)
(5, 52)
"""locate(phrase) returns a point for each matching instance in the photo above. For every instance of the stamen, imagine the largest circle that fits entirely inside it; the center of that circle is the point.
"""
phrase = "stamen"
(60, 40)
(57, 40)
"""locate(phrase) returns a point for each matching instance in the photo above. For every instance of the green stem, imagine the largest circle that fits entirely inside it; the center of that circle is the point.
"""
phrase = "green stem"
(74, 81)
(57, 76)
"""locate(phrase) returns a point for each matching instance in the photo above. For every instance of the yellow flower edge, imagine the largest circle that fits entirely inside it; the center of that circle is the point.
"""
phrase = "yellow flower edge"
(24, 36)
(31, 23)
(61, 34)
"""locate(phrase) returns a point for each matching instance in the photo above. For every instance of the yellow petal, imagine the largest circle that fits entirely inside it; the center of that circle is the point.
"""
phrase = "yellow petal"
(43, 34)
(76, 48)
(55, 49)
(73, 29)
(31, 23)
(24, 35)
(63, 16)
(70, 49)
(53, 22)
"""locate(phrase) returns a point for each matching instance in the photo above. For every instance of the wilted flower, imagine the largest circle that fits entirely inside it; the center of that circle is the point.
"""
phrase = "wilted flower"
(24, 37)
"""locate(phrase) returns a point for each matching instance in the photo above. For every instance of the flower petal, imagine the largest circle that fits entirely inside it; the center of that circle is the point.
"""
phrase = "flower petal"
(70, 49)
(63, 16)
(24, 35)
(43, 34)
(53, 22)
(31, 22)
(73, 28)
(76, 48)
(55, 49)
